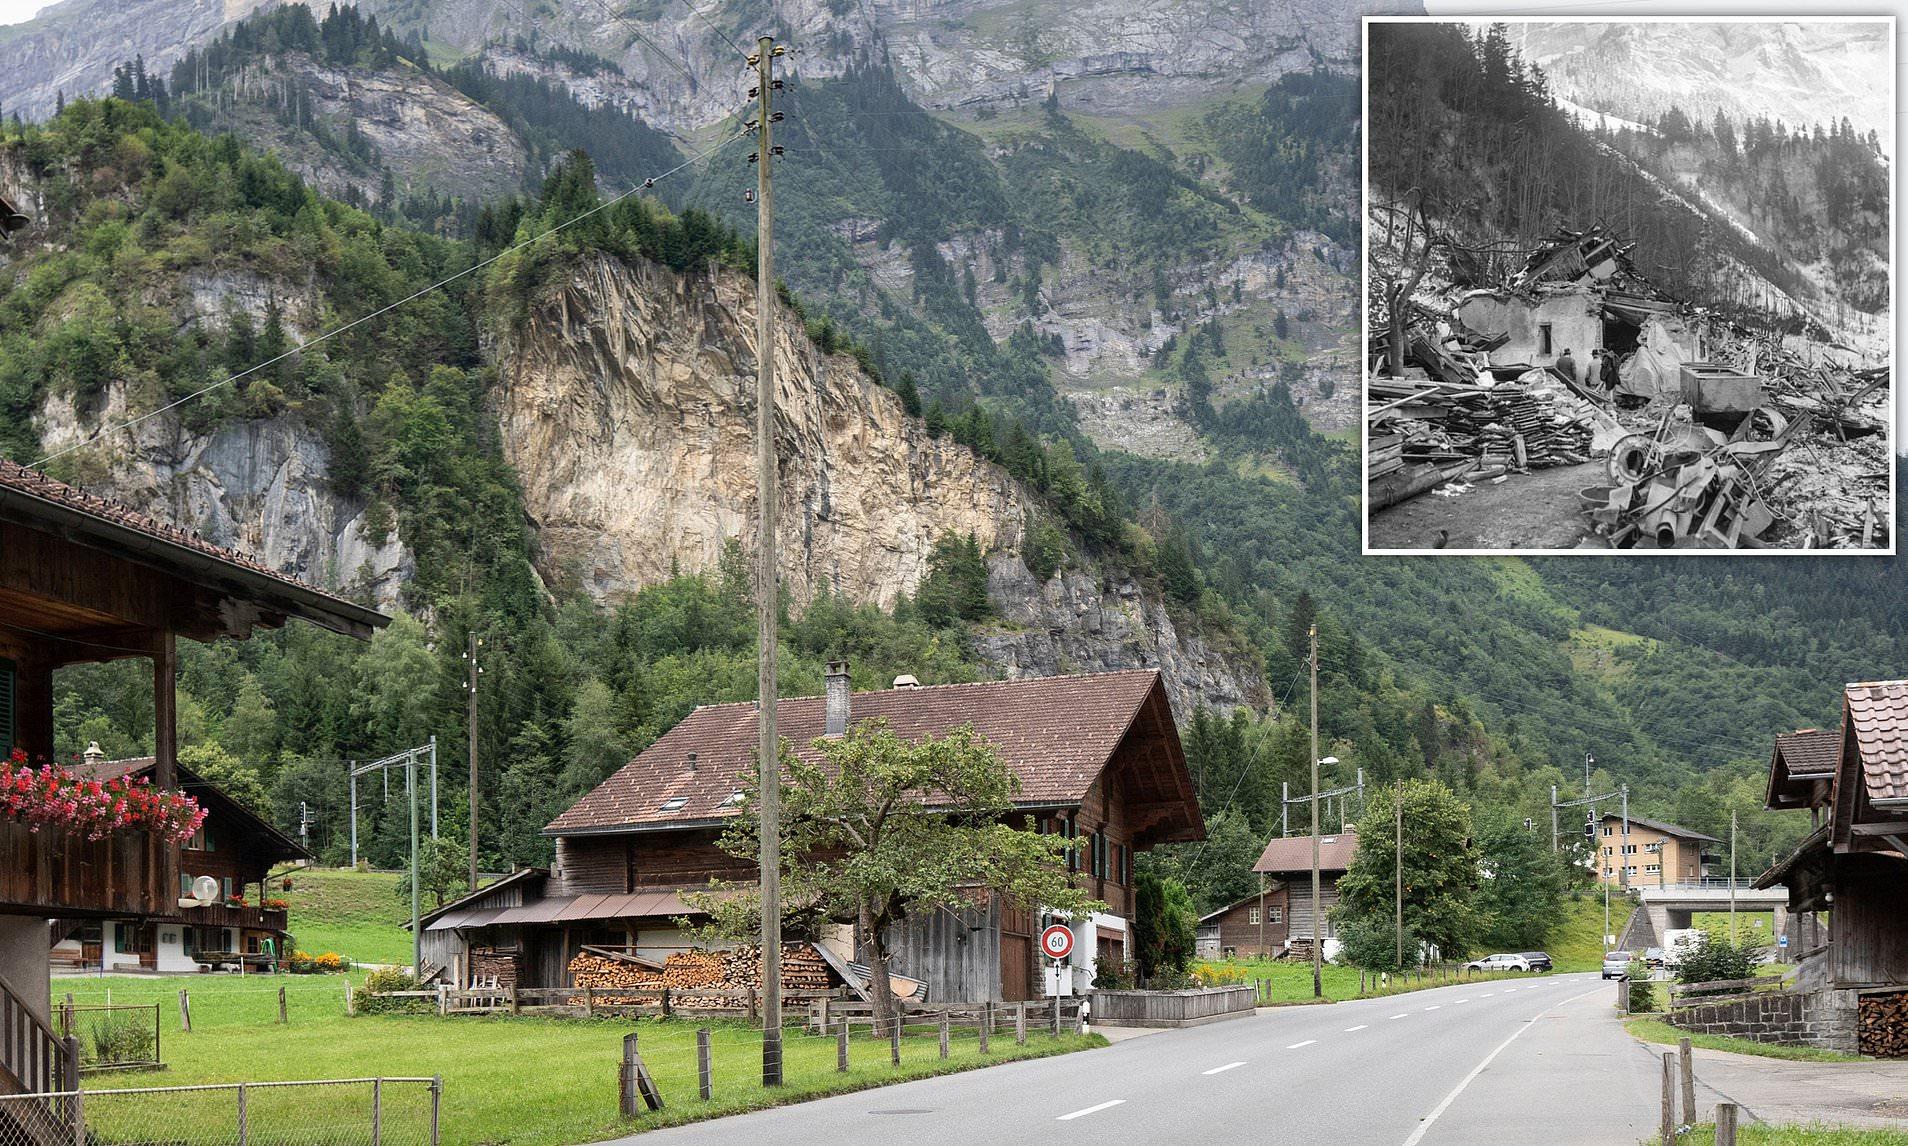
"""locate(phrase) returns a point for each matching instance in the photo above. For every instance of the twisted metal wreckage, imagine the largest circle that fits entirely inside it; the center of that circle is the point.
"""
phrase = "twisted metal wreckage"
(1758, 447)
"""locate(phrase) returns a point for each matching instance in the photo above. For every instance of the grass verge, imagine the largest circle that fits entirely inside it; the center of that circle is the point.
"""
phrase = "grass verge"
(1658, 1031)
(1813, 1134)
(527, 1081)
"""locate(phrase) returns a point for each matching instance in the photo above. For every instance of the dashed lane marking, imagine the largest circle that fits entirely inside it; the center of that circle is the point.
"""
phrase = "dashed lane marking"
(1359, 1027)
(1306, 1043)
(1089, 1110)
(1401, 1015)
(1222, 1069)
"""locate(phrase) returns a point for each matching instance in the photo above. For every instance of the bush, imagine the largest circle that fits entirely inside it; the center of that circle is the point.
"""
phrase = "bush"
(1642, 991)
(305, 963)
(377, 998)
(122, 1038)
(1715, 960)
(1110, 974)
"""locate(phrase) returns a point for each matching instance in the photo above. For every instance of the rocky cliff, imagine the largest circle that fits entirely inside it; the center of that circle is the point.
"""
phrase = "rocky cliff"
(627, 408)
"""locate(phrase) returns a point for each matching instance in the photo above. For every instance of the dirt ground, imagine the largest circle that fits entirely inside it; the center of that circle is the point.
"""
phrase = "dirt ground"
(1538, 510)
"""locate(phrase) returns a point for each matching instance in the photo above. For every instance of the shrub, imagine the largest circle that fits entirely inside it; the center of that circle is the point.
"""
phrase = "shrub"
(122, 1038)
(305, 963)
(1642, 991)
(1714, 960)
(377, 997)
(1110, 974)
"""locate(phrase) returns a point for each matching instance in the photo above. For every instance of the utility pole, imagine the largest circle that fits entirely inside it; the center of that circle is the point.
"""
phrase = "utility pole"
(351, 766)
(1397, 845)
(1732, 874)
(768, 597)
(471, 672)
(1318, 929)
(417, 933)
(1623, 867)
(1553, 819)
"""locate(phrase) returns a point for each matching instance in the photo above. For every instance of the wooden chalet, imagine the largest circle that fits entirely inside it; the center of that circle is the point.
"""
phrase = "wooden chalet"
(236, 848)
(1288, 860)
(1098, 758)
(1255, 925)
(84, 579)
(1854, 865)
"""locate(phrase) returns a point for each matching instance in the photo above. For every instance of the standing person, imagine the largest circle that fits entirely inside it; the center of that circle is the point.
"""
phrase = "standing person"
(1567, 365)
(1592, 368)
(1610, 372)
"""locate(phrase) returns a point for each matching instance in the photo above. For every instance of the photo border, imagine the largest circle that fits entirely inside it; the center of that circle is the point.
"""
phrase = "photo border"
(1364, 274)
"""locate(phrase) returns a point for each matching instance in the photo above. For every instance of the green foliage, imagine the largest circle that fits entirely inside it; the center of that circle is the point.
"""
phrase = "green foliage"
(1165, 926)
(1521, 896)
(955, 588)
(1372, 943)
(1642, 991)
(443, 871)
(220, 768)
(862, 846)
(1294, 152)
(1715, 959)
(1441, 868)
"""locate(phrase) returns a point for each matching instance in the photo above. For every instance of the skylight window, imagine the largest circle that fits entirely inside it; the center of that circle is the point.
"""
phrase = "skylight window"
(673, 803)
(735, 798)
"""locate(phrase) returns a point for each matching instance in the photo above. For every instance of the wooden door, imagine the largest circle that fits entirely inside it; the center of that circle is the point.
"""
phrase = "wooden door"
(1016, 955)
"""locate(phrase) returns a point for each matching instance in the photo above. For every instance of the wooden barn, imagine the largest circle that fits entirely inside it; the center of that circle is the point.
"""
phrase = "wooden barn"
(1098, 758)
(84, 579)
(1288, 860)
(1854, 865)
(1255, 925)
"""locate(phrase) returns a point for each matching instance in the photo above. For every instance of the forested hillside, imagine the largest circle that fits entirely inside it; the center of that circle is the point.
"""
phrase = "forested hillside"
(962, 261)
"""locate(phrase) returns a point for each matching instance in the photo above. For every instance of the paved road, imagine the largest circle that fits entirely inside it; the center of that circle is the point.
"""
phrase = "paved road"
(1536, 1060)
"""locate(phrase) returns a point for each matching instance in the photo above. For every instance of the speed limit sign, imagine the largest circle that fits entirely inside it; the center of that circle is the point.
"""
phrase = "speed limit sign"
(1057, 941)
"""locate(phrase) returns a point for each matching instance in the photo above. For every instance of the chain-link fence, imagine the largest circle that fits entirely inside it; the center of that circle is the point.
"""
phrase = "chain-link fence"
(327, 1112)
(111, 1037)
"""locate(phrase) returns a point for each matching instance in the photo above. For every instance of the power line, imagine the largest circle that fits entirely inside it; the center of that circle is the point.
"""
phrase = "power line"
(386, 309)
(726, 38)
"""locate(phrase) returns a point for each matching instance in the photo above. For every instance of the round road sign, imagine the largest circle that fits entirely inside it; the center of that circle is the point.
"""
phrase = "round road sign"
(1057, 941)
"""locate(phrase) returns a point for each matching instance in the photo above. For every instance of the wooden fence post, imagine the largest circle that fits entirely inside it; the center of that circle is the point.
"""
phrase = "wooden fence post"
(841, 1047)
(1020, 1023)
(351, 1005)
(516, 1001)
(185, 1011)
(377, 1109)
(1687, 1060)
(281, 1004)
(589, 1002)
(944, 1034)
(986, 1026)
(821, 1022)
(1667, 1131)
(704, 1067)
(894, 1040)
(752, 1012)
(1725, 1124)
(635, 1085)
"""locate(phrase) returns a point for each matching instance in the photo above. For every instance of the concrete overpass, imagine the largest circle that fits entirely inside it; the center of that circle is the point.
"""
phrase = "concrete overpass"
(1673, 906)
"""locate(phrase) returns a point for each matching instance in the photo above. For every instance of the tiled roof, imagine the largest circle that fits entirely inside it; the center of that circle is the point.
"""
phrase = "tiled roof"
(1664, 826)
(31, 486)
(1057, 733)
(111, 769)
(1809, 753)
(1294, 853)
(1878, 710)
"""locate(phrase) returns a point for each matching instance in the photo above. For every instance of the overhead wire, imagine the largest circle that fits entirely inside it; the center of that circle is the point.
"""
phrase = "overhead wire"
(389, 307)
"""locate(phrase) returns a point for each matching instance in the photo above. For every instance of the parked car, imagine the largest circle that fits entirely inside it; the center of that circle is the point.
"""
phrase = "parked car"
(1616, 965)
(1499, 962)
(1538, 960)
(1655, 957)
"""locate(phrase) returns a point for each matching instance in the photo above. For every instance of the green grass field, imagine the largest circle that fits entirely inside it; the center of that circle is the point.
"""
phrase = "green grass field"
(357, 914)
(526, 1080)
(1816, 1134)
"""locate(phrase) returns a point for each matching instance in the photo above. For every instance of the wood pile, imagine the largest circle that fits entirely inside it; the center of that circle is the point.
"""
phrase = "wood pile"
(1882, 1028)
(738, 969)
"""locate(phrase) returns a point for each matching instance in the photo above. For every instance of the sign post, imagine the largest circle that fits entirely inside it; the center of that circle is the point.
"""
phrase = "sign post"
(1057, 942)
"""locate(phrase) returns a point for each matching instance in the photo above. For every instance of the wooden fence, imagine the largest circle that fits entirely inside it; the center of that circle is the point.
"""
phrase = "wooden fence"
(1172, 1008)
(590, 1002)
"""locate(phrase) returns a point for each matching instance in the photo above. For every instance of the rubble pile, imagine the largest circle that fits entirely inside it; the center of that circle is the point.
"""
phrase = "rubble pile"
(1716, 435)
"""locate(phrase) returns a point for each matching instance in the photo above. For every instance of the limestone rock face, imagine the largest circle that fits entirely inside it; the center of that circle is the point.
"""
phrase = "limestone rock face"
(627, 408)
(254, 485)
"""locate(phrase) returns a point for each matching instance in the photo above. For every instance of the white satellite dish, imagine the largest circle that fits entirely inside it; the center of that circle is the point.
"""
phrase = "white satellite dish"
(205, 892)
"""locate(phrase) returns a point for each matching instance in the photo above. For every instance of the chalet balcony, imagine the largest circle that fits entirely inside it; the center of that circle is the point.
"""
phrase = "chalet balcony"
(53, 873)
(249, 917)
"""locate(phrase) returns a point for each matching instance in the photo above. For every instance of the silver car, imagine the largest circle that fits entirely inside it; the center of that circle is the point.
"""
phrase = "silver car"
(1616, 965)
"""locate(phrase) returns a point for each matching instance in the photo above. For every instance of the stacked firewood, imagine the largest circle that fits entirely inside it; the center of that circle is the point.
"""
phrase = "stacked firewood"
(737, 969)
(1883, 1027)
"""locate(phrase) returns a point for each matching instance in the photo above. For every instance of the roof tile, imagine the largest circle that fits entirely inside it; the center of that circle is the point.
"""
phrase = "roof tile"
(1294, 853)
(1878, 710)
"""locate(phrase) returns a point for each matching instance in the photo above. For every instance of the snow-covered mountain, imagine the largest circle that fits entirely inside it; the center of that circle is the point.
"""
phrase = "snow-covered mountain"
(1799, 73)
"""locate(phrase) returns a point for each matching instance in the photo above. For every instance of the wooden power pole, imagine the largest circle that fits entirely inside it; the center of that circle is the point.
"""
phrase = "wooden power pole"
(470, 720)
(1397, 844)
(768, 597)
(1318, 928)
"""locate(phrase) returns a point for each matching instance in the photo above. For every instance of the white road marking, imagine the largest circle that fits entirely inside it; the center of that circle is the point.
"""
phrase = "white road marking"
(1401, 1015)
(1432, 1007)
(1424, 1127)
(1222, 1069)
(1359, 1027)
(1306, 1043)
(1488, 994)
(1089, 1110)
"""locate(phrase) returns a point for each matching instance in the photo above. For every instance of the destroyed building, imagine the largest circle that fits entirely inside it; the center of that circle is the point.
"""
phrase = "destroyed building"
(1714, 435)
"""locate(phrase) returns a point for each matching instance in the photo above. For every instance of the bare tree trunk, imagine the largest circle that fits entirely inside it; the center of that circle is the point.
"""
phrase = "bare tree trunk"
(879, 985)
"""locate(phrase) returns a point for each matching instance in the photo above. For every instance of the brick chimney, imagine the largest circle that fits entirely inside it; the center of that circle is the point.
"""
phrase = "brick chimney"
(837, 710)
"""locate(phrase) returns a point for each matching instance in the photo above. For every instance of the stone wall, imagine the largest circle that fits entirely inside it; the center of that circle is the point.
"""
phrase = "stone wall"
(1825, 1019)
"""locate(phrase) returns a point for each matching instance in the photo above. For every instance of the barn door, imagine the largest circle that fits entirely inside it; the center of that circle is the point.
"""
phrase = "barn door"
(1016, 954)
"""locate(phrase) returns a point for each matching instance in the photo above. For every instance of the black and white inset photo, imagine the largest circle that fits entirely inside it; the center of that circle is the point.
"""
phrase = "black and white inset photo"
(1628, 285)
